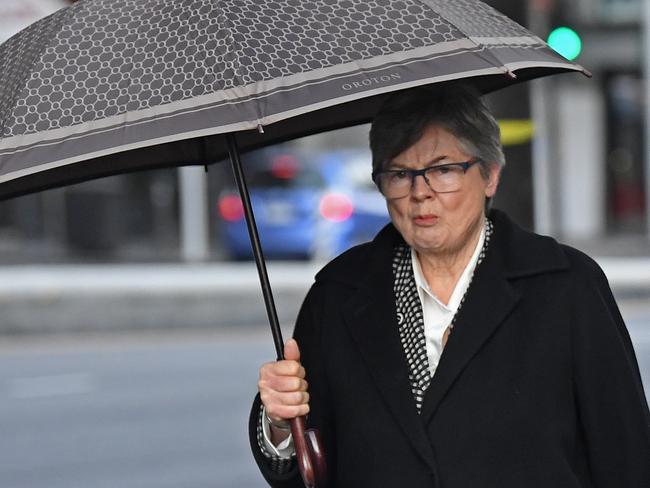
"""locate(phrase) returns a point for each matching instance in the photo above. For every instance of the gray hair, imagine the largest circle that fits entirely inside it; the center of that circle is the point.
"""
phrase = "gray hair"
(403, 117)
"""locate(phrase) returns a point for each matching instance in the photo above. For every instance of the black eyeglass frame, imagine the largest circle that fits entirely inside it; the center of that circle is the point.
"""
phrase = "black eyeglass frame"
(413, 173)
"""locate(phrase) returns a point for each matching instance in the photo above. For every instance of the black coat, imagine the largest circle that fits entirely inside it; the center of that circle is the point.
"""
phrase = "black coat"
(538, 386)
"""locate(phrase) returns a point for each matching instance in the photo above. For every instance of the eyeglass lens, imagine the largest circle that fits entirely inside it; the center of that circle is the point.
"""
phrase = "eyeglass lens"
(441, 179)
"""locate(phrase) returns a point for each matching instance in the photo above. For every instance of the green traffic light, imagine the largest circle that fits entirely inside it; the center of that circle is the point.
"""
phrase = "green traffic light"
(566, 42)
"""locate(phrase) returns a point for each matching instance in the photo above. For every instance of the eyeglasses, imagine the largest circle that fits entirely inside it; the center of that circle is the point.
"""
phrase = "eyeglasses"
(441, 178)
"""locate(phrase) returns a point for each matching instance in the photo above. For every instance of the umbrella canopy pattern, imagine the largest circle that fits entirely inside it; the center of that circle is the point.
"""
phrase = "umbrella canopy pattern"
(107, 86)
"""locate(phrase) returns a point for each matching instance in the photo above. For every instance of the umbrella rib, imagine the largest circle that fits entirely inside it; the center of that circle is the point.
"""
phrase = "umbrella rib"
(481, 49)
(233, 48)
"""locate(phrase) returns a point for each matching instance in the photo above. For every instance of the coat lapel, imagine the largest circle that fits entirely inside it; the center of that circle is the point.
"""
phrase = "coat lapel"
(371, 320)
(489, 300)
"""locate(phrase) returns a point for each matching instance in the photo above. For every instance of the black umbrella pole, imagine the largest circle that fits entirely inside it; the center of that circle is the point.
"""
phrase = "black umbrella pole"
(235, 161)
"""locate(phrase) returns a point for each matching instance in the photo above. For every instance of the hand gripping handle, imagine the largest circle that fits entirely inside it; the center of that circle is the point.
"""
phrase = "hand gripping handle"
(309, 454)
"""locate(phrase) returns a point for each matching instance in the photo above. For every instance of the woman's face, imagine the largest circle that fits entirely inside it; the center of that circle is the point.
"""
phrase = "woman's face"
(440, 223)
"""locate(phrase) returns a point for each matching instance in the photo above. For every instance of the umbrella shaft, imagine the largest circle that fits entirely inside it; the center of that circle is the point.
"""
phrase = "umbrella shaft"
(235, 161)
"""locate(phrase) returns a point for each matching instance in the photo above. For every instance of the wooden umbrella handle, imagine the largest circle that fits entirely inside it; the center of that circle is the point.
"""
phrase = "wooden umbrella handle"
(309, 454)
(317, 456)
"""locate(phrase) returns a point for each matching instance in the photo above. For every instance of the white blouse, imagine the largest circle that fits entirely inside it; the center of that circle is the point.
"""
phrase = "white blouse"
(438, 315)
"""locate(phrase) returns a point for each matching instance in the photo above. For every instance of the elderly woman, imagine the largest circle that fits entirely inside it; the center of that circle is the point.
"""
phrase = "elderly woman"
(456, 350)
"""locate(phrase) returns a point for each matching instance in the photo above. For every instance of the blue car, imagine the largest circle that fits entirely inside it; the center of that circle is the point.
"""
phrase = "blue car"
(308, 205)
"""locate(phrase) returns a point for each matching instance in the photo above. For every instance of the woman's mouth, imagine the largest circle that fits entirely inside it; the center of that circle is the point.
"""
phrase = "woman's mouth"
(425, 219)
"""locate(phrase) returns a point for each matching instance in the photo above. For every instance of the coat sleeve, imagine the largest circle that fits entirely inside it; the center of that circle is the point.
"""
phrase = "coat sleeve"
(308, 333)
(612, 407)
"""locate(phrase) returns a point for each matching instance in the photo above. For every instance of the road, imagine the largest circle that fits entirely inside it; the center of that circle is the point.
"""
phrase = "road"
(147, 410)
(130, 412)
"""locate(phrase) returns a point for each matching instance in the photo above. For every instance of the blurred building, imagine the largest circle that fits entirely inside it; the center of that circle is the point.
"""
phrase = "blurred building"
(15, 15)
(596, 179)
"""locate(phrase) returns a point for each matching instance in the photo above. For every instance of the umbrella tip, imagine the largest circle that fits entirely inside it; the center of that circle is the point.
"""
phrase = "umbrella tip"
(510, 74)
(260, 128)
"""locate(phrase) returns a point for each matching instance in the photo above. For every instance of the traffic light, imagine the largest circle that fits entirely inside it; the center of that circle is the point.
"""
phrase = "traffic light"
(566, 42)
(562, 20)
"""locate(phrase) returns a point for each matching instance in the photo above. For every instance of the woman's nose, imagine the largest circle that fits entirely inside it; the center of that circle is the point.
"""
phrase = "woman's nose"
(421, 188)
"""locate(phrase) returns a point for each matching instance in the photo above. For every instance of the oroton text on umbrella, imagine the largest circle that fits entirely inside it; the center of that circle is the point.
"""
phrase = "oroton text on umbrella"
(375, 80)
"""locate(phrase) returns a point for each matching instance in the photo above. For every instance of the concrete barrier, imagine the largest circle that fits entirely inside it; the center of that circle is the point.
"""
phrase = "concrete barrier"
(47, 299)
(104, 298)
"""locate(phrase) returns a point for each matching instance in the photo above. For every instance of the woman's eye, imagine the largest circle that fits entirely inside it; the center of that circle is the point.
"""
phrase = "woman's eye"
(441, 170)
(400, 175)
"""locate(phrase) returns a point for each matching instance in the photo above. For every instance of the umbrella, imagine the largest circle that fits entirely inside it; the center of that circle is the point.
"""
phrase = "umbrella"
(109, 86)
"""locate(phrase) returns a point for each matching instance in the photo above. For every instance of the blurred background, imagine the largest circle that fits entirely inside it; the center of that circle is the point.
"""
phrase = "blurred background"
(132, 324)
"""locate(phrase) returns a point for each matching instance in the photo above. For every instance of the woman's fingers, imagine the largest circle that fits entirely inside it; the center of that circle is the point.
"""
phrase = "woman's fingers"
(282, 368)
(282, 385)
(291, 350)
(281, 405)
(292, 399)
(286, 412)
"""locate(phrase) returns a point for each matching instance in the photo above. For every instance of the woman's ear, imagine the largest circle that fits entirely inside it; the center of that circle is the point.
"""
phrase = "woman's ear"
(494, 173)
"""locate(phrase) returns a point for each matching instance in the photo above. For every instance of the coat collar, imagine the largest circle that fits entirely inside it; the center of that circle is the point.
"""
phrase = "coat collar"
(518, 253)
(370, 315)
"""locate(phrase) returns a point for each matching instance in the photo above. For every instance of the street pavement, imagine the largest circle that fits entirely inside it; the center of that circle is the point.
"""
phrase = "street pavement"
(147, 409)
(134, 411)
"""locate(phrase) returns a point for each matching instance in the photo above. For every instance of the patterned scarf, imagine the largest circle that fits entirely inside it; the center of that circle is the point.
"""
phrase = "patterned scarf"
(410, 318)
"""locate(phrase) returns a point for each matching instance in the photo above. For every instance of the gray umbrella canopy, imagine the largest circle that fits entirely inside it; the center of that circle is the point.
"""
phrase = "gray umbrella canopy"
(109, 86)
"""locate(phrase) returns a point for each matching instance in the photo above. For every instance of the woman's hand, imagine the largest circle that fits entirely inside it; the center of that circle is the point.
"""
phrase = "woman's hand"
(283, 389)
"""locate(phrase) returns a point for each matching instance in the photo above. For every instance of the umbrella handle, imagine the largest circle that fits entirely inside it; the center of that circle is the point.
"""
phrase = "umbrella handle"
(309, 454)
(317, 456)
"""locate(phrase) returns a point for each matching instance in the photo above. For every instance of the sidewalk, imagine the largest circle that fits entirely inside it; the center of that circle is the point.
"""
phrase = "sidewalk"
(68, 298)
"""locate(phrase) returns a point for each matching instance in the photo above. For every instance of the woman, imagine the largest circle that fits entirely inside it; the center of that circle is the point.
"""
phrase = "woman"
(456, 350)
